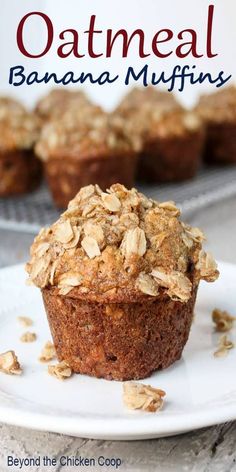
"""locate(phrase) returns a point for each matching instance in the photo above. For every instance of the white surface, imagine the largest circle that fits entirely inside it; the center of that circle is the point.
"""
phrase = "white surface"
(92, 408)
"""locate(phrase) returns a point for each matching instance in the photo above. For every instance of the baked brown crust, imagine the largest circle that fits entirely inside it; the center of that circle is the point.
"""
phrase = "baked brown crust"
(20, 172)
(119, 341)
(66, 176)
(171, 159)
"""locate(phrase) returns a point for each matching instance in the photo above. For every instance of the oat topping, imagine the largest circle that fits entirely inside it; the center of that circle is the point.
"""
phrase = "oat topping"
(25, 321)
(137, 396)
(224, 345)
(58, 100)
(223, 320)
(48, 352)
(61, 370)
(18, 128)
(28, 337)
(120, 243)
(9, 363)
(84, 132)
(218, 107)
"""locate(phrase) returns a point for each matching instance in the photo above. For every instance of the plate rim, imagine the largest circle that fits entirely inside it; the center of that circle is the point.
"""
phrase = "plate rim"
(149, 426)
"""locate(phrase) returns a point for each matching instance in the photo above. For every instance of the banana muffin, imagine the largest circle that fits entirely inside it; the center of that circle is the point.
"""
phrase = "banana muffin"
(85, 147)
(172, 145)
(119, 275)
(218, 111)
(20, 171)
(171, 137)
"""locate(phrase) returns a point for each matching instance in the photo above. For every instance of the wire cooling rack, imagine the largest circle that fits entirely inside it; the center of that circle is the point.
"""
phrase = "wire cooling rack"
(31, 212)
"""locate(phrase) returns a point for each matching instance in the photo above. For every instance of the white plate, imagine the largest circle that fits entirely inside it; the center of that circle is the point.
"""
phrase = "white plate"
(201, 389)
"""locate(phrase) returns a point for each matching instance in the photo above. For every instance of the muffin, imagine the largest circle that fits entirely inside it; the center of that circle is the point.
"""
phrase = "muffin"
(119, 275)
(218, 111)
(85, 147)
(171, 137)
(172, 145)
(20, 171)
(58, 100)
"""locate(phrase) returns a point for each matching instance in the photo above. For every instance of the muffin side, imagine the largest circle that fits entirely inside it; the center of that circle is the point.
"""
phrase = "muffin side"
(20, 170)
(218, 112)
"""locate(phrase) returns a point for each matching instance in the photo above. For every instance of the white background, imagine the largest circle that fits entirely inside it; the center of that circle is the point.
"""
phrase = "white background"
(150, 15)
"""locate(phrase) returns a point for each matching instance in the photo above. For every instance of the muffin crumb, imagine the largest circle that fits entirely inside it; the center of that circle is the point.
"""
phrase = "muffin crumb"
(137, 396)
(61, 370)
(223, 320)
(9, 363)
(25, 321)
(225, 344)
(48, 352)
(28, 337)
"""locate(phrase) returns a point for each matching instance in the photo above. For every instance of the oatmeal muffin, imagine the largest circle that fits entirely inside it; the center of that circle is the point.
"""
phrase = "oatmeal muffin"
(171, 137)
(85, 147)
(58, 100)
(218, 111)
(172, 146)
(20, 171)
(119, 275)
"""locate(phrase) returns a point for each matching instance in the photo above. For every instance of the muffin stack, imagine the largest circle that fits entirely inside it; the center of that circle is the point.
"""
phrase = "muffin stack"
(149, 137)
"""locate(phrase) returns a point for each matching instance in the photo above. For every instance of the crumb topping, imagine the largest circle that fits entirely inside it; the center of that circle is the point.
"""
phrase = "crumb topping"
(18, 128)
(28, 337)
(25, 321)
(9, 363)
(120, 244)
(84, 132)
(224, 345)
(61, 370)
(48, 352)
(223, 320)
(58, 100)
(151, 114)
(137, 396)
(219, 106)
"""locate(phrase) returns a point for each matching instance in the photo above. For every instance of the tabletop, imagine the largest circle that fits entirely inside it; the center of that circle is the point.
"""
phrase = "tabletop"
(206, 450)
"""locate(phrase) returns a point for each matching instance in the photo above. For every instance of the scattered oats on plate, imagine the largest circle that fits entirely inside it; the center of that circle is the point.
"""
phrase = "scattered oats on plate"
(48, 352)
(9, 363)
(61, 370)
(137, 396)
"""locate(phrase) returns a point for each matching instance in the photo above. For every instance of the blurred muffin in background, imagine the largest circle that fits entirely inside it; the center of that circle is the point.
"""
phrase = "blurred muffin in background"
(218, 111)
(58, 100)
(171, 137)
(85, 146)
(172, 146)
(20, 170)
(141, 97)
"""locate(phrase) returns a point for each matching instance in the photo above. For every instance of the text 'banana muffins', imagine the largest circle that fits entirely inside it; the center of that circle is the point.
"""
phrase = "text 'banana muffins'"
(85, 146)
(119, 275)
(20, 171)
(218, 111)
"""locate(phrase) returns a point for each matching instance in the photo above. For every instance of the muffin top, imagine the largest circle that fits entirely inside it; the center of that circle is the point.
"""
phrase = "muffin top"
(140, 97)
(86, 133)
(58, 100)
(219, 106)
(119, 246)
(18, 128)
